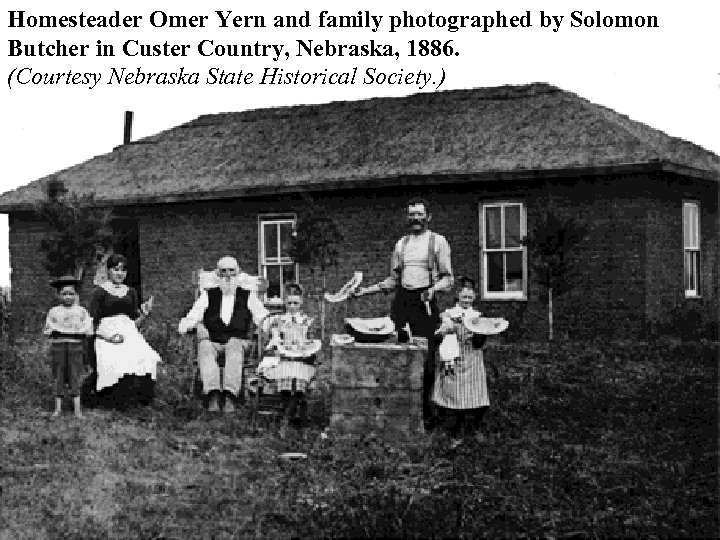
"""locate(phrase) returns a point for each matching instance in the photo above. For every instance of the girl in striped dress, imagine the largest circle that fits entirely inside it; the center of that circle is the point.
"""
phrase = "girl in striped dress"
(290, 330)
(460, 390)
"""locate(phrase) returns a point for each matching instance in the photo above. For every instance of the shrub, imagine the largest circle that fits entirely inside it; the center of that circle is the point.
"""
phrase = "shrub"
(26, 371)
(690, 320)
(77, 230)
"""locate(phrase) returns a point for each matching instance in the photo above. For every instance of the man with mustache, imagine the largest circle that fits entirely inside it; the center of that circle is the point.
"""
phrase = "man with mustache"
(420, 267)
(225, 312)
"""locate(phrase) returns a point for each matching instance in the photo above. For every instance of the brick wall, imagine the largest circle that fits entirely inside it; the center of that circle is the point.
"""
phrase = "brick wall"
(609, 292)
(32, 295)
(615, 286)
(665, 268)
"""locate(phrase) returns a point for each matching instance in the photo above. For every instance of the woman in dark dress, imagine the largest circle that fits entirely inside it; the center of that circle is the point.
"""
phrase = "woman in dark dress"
(126, 365)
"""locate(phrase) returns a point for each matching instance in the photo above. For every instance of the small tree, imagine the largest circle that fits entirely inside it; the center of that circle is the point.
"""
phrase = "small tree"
(77, 231)
(316, 241)
(550, 244)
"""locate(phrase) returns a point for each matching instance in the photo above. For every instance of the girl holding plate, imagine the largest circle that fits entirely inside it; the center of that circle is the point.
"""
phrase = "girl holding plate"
(460, 390)
(292, 344)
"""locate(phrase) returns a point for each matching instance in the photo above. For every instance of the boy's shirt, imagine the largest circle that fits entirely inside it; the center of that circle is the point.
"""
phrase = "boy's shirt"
(72, 323)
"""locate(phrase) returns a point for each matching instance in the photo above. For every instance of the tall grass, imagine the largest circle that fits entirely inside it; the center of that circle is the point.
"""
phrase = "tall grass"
(605, 439)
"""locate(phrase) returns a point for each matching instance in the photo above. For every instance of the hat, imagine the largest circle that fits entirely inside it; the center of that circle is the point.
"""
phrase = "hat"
(65, 280)
(486, 325)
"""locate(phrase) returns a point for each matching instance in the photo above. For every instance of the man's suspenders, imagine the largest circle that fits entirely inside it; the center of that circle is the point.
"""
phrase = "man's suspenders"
(431, 255)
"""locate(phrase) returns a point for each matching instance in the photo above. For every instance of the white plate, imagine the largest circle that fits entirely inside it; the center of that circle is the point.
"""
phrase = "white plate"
(486, 325)
(307, 350)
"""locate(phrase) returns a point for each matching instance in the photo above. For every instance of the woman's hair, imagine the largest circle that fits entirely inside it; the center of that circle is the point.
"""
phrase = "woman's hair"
(293, 289)
(115, 259)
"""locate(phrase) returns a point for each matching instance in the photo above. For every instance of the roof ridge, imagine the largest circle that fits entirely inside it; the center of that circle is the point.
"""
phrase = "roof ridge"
(489, 93)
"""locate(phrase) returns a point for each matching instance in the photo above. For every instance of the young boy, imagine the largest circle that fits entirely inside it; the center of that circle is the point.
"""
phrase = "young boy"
(67, 325)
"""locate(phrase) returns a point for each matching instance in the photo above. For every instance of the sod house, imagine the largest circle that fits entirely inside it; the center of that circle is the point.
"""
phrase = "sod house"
(489, 160)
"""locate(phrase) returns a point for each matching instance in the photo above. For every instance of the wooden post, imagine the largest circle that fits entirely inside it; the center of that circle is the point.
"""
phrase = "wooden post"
(550, 314)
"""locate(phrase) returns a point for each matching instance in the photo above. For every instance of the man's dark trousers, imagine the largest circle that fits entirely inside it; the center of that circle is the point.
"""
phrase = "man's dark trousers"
(408, 307)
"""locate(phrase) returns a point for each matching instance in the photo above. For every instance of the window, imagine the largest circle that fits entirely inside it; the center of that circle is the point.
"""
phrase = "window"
(503, 258)
(691, 247)
(275, 240)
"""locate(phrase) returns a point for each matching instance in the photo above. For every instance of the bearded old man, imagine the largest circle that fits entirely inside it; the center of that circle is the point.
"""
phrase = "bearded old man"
(226, 312)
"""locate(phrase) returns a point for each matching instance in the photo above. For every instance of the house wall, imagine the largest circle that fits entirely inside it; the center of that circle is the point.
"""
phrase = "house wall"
(621, 275)
(665, 299)
(32, 294)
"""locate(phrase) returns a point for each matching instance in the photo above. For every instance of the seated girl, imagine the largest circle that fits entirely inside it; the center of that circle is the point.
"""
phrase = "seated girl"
(292, 344)
(460, 390)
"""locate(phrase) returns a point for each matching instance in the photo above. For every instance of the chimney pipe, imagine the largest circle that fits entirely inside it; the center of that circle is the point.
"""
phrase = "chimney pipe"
(127, 137)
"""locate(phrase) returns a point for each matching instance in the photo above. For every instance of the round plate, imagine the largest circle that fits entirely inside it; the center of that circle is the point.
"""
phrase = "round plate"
(486, 325)
(307, 350)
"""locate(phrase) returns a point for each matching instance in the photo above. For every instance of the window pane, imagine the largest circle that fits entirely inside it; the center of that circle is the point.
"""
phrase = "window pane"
(288, 274)
(271, 240)
(513, 271)
(495, 281)
(285, 239)
(691, 271)
(690, 225)
(272, 273)
(512, 226)
(492, 227)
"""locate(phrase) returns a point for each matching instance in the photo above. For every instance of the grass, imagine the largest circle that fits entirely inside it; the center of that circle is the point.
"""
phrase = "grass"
(603, 441)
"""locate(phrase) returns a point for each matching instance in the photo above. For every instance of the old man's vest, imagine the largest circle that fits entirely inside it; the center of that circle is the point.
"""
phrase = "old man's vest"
(239, 325)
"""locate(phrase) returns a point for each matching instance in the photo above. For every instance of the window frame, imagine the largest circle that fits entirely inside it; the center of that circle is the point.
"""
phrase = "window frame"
(263, 264)
(692, 292)
(520, 295)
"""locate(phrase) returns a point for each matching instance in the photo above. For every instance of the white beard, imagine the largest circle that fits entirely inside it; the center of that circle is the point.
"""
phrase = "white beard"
(228, 285)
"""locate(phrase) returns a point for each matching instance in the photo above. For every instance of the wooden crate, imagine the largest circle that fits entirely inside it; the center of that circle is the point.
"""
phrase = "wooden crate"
(377, 387)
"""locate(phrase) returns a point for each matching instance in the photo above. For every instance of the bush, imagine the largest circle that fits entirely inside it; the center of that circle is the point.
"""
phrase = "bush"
(690, 320)
(26, 370)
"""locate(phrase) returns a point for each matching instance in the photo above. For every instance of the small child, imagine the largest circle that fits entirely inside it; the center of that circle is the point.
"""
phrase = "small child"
(460, 386)
(67, 326)
(293, 375)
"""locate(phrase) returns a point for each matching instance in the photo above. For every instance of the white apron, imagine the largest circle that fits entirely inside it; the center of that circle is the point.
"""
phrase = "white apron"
(131, 357)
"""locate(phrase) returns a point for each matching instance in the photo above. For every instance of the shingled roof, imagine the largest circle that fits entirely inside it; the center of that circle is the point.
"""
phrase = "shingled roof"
(503, 132)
